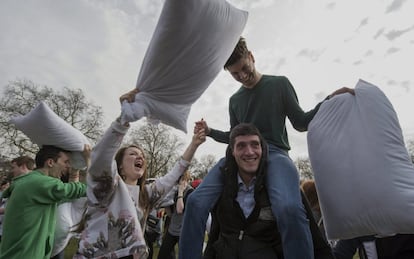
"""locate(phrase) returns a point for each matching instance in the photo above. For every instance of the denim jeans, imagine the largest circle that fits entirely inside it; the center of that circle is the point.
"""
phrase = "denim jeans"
(346, 248)
(284, 194)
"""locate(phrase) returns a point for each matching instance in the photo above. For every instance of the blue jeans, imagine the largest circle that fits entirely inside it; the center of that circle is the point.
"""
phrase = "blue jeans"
(284, 193)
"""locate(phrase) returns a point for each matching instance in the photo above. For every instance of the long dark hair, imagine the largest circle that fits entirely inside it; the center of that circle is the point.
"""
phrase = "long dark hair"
(143, 194)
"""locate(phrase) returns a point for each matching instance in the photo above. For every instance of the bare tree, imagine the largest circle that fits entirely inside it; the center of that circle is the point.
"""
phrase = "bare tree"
(21, 96)
(200, 168)
(410, 148)
(161, 146)
(5, 169)
(304, 168)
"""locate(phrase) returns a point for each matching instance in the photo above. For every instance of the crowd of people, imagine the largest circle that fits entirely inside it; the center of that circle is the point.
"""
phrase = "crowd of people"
(258, 207)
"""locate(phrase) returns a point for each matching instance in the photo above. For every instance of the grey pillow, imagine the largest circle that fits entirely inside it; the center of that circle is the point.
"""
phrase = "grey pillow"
(190, 45)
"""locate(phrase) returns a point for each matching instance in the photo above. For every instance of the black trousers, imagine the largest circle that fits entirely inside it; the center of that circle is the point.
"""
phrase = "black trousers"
(167, 250)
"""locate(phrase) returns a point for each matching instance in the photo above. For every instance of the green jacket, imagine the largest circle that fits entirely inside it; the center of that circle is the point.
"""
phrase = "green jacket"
(30, 217)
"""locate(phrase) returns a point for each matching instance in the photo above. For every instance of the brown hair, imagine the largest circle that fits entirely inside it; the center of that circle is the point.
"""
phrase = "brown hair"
(239, 52)
(244, 129)
(309, 189)
(24, 160)
(48, 152)
(186, 176)
(143, 194)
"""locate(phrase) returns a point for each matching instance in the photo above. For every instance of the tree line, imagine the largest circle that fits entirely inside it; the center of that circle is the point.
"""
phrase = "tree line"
(161, 146)
(19, 97)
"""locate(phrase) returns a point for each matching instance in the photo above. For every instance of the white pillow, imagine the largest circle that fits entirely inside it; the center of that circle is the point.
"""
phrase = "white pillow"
(68, 215)
(44, 127)
(363, 172)
(191, 43)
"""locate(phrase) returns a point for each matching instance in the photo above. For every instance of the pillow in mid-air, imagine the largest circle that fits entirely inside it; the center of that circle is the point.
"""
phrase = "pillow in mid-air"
(45, 127)
(190, 45)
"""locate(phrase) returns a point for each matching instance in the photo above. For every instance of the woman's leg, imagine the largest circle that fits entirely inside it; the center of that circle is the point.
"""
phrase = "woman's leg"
(167, 246)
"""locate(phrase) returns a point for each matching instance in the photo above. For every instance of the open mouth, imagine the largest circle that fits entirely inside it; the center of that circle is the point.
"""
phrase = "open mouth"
(138, 164)
(250, 160)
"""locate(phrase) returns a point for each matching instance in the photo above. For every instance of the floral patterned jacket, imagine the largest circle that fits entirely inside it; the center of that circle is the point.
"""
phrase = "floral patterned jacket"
(114, 221)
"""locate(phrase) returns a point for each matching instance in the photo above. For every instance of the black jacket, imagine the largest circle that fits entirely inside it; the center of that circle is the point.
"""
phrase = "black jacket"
(234, 236)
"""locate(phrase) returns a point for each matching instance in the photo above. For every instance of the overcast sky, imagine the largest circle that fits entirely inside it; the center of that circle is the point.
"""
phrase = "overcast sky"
(320, 45)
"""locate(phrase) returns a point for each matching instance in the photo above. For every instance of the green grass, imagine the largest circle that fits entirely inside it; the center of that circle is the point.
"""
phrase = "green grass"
(71, 248)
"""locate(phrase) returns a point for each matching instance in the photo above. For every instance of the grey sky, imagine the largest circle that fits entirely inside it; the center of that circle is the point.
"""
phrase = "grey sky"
(98, 46)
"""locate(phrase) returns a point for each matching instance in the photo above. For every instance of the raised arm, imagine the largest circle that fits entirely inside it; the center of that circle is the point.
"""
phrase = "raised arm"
(102, 174)
(199, 137)
(129, 96)
(74, 173)
(180, 196)
(217, 135)
(164, 184)
(342, 90)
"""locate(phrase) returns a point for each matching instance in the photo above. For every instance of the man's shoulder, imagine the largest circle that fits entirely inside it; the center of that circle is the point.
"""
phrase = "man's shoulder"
(275, 79)
(267, 81)
(39, 176)
(38, 180)
(275, 84)
(31, 176)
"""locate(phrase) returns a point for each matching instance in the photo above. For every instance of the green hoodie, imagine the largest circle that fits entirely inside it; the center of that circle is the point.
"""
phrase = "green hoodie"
(30, 217)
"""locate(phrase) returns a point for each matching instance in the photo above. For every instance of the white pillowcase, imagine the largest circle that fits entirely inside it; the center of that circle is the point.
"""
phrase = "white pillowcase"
(68, 215)
(363, 172)
(44, 127)
(191, 43)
